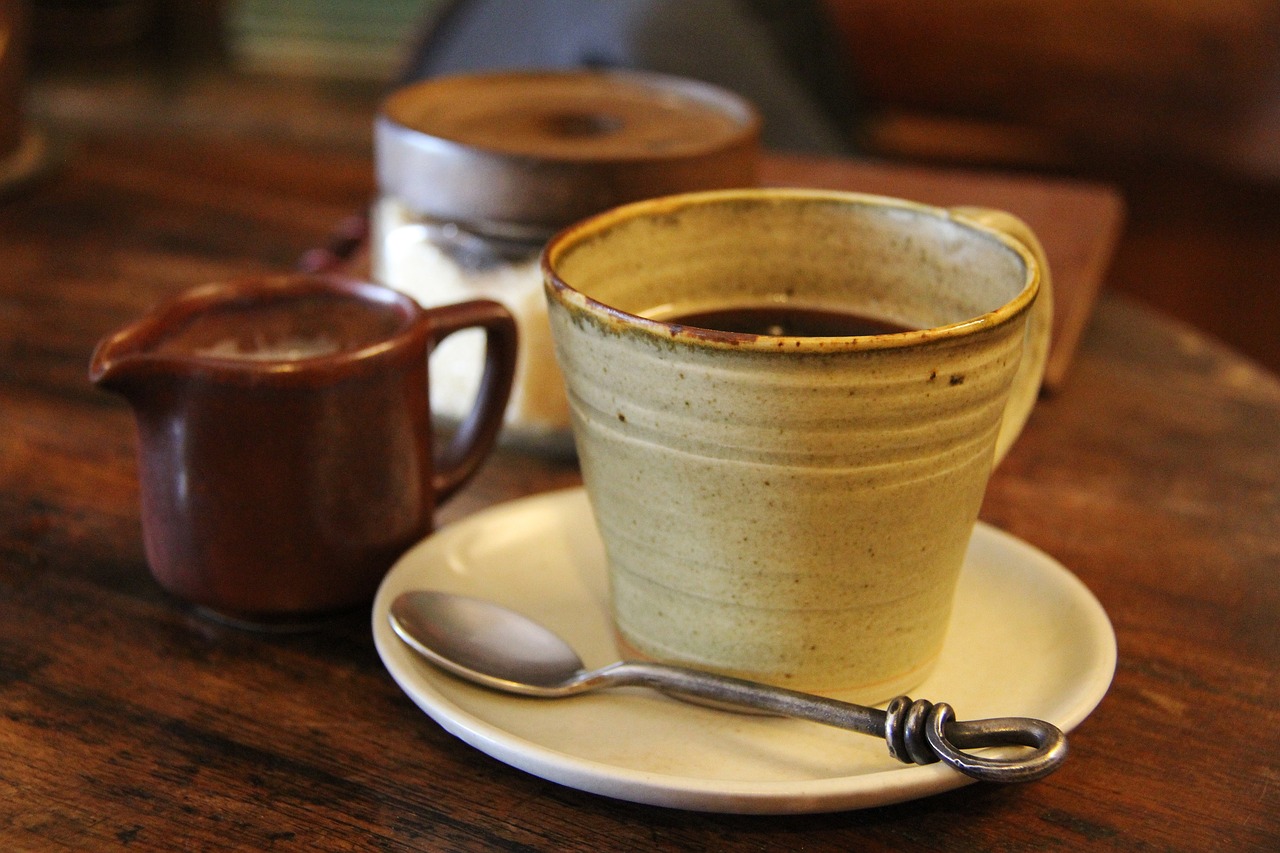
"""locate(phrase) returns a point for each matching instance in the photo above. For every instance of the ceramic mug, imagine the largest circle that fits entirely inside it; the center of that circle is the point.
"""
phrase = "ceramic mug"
(284, 438)
(792, 501)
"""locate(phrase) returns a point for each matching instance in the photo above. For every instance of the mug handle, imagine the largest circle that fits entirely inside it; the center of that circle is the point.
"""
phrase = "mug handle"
(475, 436)
(1035, 348)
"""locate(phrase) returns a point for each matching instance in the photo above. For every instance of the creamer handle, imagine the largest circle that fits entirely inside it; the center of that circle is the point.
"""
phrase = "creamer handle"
(476, 435)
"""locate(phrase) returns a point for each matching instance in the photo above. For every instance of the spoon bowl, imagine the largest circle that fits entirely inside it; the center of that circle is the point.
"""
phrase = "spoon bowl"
(484, 642)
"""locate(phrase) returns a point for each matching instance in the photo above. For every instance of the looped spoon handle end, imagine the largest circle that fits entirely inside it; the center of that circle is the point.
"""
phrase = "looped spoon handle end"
(921, 732)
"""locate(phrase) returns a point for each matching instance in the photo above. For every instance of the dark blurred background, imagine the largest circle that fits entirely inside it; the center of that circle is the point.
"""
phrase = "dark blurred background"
(1174, 102)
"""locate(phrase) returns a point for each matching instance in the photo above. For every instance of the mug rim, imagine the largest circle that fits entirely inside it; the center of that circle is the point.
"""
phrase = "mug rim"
(558, 290)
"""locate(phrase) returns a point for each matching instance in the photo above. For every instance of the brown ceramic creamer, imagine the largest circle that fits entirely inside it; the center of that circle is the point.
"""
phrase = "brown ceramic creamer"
(285, 449)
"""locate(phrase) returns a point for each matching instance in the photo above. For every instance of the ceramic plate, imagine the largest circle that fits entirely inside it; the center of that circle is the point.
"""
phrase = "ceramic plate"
(1027, 639)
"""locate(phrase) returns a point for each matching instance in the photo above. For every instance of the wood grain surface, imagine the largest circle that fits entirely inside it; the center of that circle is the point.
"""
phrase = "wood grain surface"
(128, 722)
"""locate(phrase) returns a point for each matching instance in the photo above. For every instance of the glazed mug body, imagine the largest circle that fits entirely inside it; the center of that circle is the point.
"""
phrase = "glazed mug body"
(793, 509)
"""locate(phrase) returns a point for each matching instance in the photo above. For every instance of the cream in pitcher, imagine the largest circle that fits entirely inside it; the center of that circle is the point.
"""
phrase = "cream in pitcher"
(787, 404)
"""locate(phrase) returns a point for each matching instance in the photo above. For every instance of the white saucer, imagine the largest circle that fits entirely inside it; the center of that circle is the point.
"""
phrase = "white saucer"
(1027, 639)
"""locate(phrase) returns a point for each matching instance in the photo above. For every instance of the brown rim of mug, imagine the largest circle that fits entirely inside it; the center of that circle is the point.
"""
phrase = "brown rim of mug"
(576, 301)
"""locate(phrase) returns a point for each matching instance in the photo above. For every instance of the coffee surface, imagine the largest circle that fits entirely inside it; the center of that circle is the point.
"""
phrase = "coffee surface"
(786, 320)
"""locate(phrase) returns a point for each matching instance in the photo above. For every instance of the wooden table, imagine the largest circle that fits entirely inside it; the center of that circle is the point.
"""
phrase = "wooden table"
(128, 722)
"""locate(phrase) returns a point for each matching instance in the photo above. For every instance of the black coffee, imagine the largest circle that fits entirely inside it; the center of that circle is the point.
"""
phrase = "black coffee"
(781, 319)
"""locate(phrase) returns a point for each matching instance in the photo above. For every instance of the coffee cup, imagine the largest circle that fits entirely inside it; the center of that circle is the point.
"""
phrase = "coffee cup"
(787, 404)
(285, 448)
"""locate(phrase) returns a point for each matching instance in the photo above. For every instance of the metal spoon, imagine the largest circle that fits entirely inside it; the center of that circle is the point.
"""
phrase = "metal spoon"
(498, 648)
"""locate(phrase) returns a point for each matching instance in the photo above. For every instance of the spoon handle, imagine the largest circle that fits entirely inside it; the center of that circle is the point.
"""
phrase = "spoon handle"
(918, 732)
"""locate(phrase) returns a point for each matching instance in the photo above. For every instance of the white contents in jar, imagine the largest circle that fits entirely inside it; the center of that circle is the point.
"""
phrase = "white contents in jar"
(412, 262)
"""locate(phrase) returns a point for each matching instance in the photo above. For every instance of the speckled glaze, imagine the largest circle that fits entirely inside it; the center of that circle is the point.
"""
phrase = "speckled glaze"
(794, 510)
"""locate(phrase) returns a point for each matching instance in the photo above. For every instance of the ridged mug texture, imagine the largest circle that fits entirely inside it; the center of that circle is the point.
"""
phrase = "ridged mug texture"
(794, 510)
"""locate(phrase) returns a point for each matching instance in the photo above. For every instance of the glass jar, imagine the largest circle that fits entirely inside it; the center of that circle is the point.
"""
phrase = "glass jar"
(476, 172)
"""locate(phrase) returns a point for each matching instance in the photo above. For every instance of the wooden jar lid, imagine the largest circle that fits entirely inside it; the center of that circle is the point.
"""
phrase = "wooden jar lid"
(531, 152)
